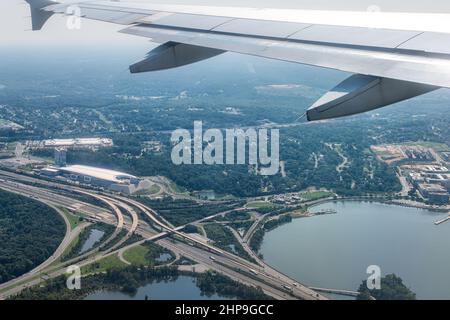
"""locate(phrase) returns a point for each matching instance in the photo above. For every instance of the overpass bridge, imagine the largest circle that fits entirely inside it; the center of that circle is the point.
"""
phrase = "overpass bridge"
(336, 291)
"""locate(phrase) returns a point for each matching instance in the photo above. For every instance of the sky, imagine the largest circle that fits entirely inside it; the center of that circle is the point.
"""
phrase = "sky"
(15, 22)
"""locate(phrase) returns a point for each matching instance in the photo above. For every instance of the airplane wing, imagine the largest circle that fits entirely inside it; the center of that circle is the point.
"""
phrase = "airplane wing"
(392, 56)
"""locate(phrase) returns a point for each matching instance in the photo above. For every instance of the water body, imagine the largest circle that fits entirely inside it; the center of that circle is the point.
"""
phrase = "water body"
(334, 251)
(184, 288)
(164, 257)
(93, 238)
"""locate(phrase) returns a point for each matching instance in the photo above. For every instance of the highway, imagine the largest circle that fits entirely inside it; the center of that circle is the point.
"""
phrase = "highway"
(223, 266)
(271, 281)
(269, 275)
(58, 199)
(253, 228)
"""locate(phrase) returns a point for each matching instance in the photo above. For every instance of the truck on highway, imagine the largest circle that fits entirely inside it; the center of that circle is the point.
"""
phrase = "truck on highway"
(212, 258)
(287, 288)
(254, 272)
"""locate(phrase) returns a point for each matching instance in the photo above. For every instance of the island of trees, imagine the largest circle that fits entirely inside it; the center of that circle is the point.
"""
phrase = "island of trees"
(392, 288)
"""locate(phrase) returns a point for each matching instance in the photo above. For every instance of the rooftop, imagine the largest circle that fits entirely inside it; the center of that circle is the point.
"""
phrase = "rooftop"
(432, 188)
(78, 141)
(99, 173)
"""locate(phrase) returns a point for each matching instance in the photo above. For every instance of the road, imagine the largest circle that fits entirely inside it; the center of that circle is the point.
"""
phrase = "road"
(58, 199)
(223, 266)
(406, 188)
(271, 281)
(253, 228)
(270, 276)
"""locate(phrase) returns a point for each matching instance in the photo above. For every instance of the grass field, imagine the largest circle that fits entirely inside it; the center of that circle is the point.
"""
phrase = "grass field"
(104, 264)
(69, 248)
(177, 189)
(316, 195)
(137, 255)
(154, 189)
(74, 220)
(261, 205)
(146, 255)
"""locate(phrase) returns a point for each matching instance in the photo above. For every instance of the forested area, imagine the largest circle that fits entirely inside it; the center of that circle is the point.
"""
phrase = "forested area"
(182, 211)
(29, 233)
(211, 283)
(224, 239)
(133, 111)
(324, 156)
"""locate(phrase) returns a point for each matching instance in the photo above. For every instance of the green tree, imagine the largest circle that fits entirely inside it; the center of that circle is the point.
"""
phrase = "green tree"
(392, 288)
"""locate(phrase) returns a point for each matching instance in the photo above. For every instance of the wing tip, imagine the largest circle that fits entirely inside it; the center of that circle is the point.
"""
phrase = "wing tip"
(39, 16)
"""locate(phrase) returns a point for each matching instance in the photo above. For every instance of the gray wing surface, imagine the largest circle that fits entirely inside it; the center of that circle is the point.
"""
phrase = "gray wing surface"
(388, 65)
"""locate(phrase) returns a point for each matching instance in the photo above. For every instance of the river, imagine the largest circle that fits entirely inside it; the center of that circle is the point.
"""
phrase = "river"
(334, 251)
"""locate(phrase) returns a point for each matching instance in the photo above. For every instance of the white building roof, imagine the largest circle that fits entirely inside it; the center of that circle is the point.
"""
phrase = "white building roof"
(78, 141)
(99, 173)
(50, 169)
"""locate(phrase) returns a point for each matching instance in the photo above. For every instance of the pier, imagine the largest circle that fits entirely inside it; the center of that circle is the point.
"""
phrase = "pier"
(325, 211)
(442, 220)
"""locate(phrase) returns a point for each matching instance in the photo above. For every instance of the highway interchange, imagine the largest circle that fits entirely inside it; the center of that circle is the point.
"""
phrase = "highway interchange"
(122, 212)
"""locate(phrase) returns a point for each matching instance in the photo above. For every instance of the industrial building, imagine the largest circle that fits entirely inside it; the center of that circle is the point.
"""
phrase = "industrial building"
(99, 177)
(435, 193)
(433, 183)
(78, 143)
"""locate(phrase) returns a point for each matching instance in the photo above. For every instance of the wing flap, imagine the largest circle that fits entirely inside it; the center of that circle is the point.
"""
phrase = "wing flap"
(354, 36)
(261, 28)
(391, 64)
(173, 55)
(190, 21)
(361, 93)
(117, 17)
(429, 42)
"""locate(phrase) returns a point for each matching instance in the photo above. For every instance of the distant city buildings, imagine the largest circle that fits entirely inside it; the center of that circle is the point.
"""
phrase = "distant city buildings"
(436, 194)
(424, 167)
(391, 153)
(432, 182)
(61, 146)
(75, 143)
(154, 146)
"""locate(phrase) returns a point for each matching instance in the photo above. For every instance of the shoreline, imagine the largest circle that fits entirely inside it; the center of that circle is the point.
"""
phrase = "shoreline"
(358, 200)
(394, 202)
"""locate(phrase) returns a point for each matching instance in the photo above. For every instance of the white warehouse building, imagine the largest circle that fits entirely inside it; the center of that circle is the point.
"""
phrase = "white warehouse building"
(114, 180)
